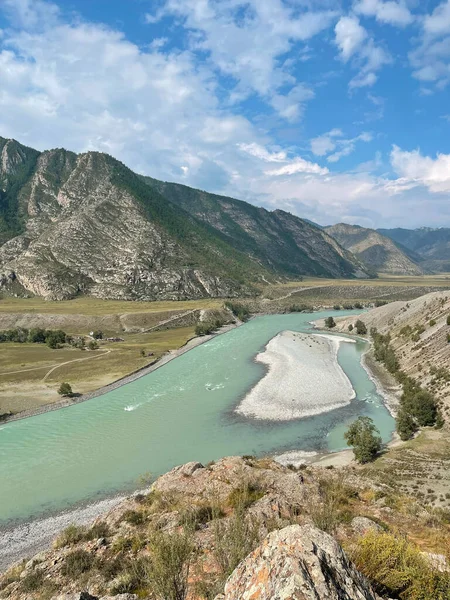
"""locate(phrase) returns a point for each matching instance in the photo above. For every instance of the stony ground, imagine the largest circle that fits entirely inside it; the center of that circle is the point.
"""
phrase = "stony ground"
(220, 513)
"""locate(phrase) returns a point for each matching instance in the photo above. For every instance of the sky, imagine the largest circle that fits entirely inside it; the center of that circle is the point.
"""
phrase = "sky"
(334, 111)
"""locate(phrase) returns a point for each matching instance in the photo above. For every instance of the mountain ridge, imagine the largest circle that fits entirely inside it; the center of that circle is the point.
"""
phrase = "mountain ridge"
(375, 250)
(86, 224)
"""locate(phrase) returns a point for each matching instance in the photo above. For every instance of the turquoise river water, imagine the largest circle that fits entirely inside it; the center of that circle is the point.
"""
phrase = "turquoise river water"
(180, 412)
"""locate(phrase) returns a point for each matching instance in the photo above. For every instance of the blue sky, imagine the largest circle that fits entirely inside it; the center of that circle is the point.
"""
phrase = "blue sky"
(334, 111)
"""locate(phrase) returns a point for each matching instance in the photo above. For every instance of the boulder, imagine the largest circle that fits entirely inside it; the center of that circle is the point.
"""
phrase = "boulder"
(75, 596)
(298, 563)
(362, 525)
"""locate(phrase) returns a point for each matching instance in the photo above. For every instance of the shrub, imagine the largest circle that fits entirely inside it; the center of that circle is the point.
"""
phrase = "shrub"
(380, 303)
(365, 439)
(65, 389)
(32, 581)
(76, 563)
(245, 495)
(234, 539)
(337, 307)
(333, 506)
(239, 310)
(448, 320)
(361, 328)
(396, 568)
(358, 305)
(70, 535)
(330, 322)
(134, 517)
(171, 556)
(432, 323)
(98, 530)
(350, 327)
(93, 345)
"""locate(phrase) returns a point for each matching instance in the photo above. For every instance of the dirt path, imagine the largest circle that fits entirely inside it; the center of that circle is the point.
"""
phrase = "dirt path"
(68, 362)
(174, 318)
(296, 290)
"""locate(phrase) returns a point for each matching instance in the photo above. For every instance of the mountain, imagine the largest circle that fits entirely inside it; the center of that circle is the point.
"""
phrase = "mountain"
(375, 250)
(431, 245)
(279, 241)
(86, 224)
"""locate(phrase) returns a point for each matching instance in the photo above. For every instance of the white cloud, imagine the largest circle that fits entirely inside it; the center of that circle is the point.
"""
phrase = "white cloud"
(415, 169)
(431, 58)
(393, 13)
(438, 23)
(326, 143)
(349, 36)
(298, 165)
(354, 42)
(245, 39)
(261, 152)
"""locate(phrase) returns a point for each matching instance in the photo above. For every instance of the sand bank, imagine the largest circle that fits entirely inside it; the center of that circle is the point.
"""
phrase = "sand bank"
(303, 378)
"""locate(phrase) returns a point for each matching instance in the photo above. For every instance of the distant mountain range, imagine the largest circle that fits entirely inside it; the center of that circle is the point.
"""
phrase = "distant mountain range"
(432, 246)
(86, 224)
(379, 252)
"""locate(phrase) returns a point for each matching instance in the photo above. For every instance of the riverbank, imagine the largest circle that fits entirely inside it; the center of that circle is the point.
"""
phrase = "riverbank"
(303, 378)
(171, 355)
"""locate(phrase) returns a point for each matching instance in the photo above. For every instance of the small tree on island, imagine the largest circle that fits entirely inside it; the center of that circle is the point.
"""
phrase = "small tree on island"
(330, 322)
(365, 439)
(65, 389)
(361, 328)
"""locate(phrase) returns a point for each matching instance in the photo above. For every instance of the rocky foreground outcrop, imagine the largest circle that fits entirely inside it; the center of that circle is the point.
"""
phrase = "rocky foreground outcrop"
(297, 563)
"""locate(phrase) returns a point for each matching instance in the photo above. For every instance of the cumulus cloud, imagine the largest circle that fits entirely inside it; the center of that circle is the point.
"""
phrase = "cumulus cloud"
(393, 13)
(416, 169)
(349, 36)
(354, 42)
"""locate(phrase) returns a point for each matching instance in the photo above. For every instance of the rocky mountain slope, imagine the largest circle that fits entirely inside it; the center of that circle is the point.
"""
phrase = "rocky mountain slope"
(431, 245)
(278, 240)
(376, 251)
(85, 224)
(245, 528)
(420, 338)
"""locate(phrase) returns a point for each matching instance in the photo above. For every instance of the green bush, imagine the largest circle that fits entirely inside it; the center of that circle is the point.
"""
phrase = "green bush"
(134, 517)
(33, 581)
(360, 327)
(432, 323)
(239, 310)
(330, 322)
(65, 389)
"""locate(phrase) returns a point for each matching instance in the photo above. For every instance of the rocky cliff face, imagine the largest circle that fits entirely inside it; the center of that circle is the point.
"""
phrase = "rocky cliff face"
(376, 251)
(85, 224)
(278, 240)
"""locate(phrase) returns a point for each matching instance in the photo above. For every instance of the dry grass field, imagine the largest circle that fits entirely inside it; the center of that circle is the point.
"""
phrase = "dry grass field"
(25, 378)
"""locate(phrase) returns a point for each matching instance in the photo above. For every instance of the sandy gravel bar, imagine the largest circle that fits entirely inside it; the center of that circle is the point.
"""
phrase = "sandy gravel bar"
(303, 378)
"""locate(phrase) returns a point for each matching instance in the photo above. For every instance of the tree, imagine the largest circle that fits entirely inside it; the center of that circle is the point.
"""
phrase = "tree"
(365, 439)
(93, 345)
(143, 353)
(330, 322)
(361, 328)
(65, 389)
(97, 335)
(350, 327)
(405, 425)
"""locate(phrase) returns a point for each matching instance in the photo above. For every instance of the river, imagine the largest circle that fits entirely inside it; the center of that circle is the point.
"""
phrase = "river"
(180, 412)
